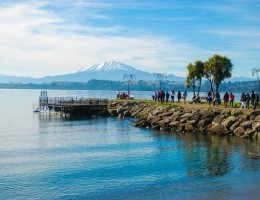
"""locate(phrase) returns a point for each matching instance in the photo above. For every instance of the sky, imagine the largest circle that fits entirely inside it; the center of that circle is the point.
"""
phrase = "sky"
(53, 37)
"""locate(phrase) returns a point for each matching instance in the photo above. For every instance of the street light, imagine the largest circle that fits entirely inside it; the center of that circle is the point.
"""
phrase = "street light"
(129, 78)
(160, 77)
(255, 71)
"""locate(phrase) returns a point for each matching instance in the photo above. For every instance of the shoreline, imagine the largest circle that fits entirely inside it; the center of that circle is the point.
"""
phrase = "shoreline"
(200, 118)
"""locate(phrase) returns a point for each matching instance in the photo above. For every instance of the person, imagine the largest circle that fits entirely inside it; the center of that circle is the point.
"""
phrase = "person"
(185, 96)
(159, 95)
(167, 96)
(124, 95)
(209, 97)
(163, 96)
(243, 100)
(172, 95)
(231, 99)
(195, 99)
(218, 100)
(247, 100)
(118, 94)
(252, 97)
(155, 95)
(256, 100)
(179, 96)
(214, 100)
(225, 98)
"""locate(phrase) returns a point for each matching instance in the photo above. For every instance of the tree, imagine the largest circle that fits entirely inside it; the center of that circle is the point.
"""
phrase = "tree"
(216, 69)
(199, 72)
(195, 73)
(191, 77)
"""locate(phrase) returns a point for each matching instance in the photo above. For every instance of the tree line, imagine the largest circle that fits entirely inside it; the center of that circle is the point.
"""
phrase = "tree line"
(215, 70)
(134, 86)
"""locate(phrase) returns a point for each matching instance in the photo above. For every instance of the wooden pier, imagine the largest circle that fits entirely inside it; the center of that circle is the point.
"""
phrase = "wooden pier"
(73, 105)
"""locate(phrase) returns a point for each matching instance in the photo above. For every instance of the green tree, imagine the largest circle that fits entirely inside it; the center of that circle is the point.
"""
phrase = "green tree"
(191, 77)
(199, 72)
(195, 73)
(216, 69)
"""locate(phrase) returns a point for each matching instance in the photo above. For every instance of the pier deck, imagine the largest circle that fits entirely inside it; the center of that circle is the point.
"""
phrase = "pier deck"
(73, 105)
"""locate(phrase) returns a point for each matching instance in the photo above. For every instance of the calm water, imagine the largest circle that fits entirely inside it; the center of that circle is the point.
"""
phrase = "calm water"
(48, 157)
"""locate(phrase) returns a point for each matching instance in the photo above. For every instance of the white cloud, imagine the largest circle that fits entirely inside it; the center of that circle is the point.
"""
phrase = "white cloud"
(35, 42)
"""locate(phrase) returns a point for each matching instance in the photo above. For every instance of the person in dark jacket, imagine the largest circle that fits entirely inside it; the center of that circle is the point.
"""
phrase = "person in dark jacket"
(256, 100)
(243, 100)
(179, 96)
(226, 98)
(167, 96)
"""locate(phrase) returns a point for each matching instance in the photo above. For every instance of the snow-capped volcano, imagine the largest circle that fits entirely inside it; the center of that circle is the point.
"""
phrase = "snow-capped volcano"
(109, 70)
(108, 66)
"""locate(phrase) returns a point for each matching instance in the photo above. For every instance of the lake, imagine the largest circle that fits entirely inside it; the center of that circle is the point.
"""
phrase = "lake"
(50, 157)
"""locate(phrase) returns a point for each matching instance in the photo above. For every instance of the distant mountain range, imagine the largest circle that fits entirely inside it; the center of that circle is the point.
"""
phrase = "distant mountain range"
(110, 70)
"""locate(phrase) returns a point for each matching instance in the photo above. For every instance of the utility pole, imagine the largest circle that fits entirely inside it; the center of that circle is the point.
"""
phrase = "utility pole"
(255, 71)
(129, 78)
(160, 77)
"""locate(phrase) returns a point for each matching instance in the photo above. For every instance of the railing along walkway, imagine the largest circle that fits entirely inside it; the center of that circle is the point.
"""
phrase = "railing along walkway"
(71, 101)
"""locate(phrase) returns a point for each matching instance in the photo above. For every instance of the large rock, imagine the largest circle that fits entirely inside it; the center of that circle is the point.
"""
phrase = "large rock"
(187, 115)
(155, 120)
(257, 118)
(235, 125)
(166, 114)
(229, 121)
(140, 123)
(196, 117)
(189, 127)
(217, 120)
(247, 124)
(204, 122)
(239, 131)
(174, 124)
(218, 129)
(256, 126)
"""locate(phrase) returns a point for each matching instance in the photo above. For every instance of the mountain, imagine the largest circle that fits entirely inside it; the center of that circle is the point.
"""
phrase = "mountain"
(110, 70)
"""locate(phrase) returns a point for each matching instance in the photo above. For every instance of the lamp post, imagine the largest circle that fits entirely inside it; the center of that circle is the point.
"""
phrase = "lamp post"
(129, 78)
(160, 77)
(255, 71)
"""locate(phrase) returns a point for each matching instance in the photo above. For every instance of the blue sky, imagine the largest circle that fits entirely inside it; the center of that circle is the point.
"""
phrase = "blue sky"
(40, 38)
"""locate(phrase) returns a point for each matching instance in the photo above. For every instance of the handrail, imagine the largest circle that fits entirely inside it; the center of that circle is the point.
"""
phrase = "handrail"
(71, 101)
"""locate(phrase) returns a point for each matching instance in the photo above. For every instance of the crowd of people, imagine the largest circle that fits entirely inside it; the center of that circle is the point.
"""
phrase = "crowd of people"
(228, 99)
(163, 96)
(213, 98)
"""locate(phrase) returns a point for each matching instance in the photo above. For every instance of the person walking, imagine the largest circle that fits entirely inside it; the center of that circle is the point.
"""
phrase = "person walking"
(226, 98)
(179, 96)
(231, 99)
(247, 100)
(167, 96)
(243, 101)
(185, 96)
(256, 100)
(172, 95)
(209, 97)
(118, 94)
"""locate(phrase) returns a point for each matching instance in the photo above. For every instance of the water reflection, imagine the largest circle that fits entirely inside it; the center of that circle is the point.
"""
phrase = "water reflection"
(210, 155)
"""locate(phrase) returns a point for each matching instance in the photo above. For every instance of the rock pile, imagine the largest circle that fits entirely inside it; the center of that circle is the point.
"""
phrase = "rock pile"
(185, 119)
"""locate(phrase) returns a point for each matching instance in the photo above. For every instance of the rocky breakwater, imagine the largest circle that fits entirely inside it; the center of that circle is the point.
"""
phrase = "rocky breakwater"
(205, 120)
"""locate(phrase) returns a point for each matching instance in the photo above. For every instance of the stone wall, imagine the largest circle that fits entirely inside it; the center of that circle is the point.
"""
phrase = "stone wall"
(210, 120)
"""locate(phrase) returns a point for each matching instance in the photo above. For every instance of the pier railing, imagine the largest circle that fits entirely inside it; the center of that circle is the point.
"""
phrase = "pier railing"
(71, 101)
